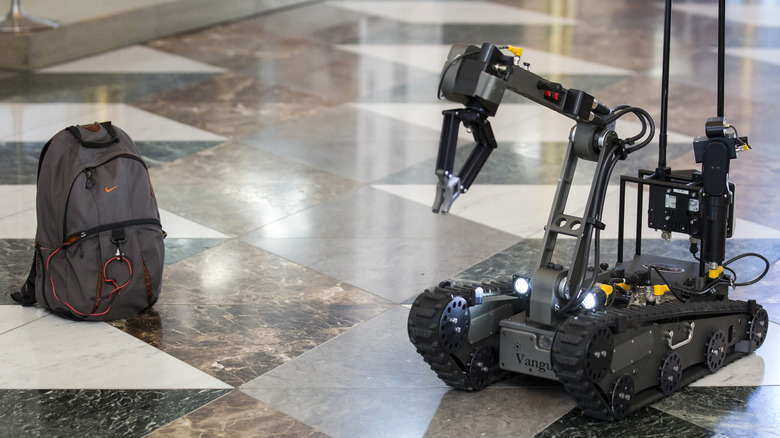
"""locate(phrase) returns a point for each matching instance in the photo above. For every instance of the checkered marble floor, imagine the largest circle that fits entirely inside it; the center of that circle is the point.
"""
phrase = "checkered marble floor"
(292, 155)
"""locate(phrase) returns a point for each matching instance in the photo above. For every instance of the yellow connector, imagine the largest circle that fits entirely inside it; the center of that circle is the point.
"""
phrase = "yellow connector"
(715, 273)
(517, 51)
(608, 289)
(660, 289)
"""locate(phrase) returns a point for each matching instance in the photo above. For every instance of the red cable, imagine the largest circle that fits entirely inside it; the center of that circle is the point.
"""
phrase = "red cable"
(107, 280)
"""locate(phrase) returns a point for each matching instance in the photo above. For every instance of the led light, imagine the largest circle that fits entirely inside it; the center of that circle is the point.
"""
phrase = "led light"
(479, 294)
(590, 301)
(521, 285)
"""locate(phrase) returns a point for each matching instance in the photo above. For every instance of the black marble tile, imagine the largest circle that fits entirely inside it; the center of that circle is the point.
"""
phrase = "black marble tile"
(96, 413)
(759, 170)
(498, 412)
(690, 105)
(700, 69)
(236, 311)
(245, 44)
(17, 256)
(741, 411)
(237, 343)
(92, 87)
(237, 414)
(159, 152)
(647, 423)
(19, 161)
(232, 104)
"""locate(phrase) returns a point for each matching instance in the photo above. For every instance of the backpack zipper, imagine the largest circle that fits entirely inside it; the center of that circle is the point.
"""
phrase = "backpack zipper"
(78, 237)
(89, 177)
(88, 173)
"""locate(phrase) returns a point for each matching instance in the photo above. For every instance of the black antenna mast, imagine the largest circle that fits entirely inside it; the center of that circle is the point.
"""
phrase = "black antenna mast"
(721, 54)
(662, 141)
(664, 89)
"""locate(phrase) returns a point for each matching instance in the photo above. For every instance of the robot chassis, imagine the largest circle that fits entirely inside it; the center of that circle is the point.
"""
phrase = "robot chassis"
(617, 338)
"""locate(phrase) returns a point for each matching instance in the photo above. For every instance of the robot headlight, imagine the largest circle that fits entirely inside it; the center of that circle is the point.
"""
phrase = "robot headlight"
(595, 299)
(521, 285)
(590, 301)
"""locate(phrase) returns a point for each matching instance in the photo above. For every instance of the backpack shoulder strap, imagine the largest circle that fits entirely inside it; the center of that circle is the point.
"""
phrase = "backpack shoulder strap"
(40, 158)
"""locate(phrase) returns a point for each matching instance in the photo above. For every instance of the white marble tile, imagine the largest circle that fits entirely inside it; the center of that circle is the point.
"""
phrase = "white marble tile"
(54, 353)
(15, 198)
(451, 12)
(428, 57)
(514, 122)
(745, 229)
(762, 15)
(133, 59)
(762, 54)
(756, 369)
(40, 121)
(178, 227)
(13, 317)
(482, 202)
(17, 211)
(432, 57)
(366, 382)
(17, 120)
(426, 115)
(505, 124)
(374, 354)
(20, 225)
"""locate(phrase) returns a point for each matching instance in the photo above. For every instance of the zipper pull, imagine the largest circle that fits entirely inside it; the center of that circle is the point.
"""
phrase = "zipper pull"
(90, 178)
(81, 249)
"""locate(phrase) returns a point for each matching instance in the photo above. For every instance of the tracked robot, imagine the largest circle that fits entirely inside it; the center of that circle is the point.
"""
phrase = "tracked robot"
(616, 337)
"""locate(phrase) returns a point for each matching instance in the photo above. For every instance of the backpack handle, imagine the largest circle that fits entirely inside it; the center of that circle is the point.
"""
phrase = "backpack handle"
(93, 144)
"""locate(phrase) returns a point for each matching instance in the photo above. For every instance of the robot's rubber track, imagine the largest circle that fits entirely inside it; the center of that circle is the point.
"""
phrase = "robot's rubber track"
(423, 329)
(572, 337)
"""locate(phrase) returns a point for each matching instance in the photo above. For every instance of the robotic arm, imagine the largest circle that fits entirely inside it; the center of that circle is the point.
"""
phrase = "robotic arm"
(479, 82)
(482, 76)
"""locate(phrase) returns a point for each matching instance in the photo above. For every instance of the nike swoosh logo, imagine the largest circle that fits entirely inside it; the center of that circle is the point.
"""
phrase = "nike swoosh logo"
(112, 188)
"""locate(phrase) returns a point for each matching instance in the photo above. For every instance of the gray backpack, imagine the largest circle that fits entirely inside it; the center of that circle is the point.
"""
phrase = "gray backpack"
(99, 248)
